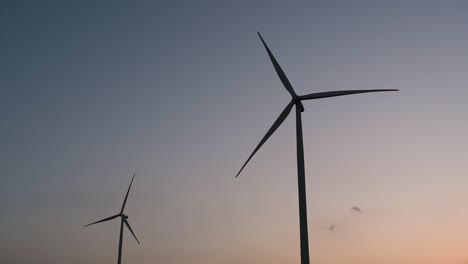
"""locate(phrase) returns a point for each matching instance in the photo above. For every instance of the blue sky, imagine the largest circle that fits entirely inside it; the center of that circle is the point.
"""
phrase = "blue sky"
(181, 92)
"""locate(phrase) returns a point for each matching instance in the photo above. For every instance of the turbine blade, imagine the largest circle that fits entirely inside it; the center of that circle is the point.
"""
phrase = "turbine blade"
(104, 220)
(126, 196)
(341, 93)
(272, 129)
(278, 69)
(130, 228)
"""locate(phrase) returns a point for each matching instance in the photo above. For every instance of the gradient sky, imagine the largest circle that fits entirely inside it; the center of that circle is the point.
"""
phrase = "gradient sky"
(181, 92)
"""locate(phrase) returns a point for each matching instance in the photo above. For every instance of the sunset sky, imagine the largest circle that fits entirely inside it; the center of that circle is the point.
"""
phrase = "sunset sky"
(180, 92)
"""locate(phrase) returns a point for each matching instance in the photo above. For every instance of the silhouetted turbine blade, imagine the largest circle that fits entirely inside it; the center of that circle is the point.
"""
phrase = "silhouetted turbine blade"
(126, 196)
(130, 228)
(272, 129)
(278, 69)
(341, 93)
(104, 220)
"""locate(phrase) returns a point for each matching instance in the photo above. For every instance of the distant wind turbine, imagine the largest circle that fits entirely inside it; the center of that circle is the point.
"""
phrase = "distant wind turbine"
(297, 101)
(123, 220)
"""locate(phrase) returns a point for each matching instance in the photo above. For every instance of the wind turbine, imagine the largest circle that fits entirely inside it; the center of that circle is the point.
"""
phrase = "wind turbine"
(297, 101)
(123, 220)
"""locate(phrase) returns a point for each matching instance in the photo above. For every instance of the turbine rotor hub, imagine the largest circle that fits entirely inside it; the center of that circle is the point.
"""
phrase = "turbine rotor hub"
(298, 102)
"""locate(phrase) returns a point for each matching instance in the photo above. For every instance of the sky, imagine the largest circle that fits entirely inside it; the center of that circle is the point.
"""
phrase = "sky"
(180, 92)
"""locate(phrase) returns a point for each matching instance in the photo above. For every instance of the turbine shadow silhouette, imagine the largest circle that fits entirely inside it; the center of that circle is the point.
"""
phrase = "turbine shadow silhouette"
(123, 220)
(297, 101)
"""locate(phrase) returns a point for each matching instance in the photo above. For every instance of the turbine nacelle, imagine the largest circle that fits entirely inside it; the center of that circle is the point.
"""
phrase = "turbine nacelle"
(298, 102)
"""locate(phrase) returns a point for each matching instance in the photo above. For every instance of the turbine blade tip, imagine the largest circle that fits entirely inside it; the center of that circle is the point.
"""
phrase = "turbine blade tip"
(237, 175)
(260, 35)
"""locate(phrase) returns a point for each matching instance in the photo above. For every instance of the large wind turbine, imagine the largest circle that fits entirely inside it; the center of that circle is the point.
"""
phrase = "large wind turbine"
(123, 220)
(297, 101)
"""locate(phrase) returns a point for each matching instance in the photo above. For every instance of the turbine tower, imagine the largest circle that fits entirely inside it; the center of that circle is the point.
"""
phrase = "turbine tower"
(297, 101)
(123, 220)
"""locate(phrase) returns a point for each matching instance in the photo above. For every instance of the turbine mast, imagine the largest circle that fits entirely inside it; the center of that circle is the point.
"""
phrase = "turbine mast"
(304, 233)
(119, 260)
